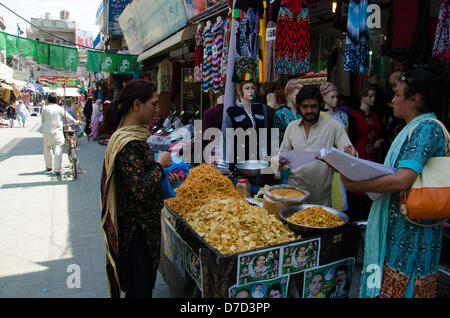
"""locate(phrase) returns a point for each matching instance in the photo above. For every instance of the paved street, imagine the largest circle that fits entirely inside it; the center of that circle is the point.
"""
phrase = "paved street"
(49, 223)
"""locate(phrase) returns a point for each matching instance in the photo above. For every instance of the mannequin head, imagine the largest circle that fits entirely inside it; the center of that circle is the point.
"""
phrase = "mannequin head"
(330, 94)
(291, 90)
(245, 91)
(368, 95)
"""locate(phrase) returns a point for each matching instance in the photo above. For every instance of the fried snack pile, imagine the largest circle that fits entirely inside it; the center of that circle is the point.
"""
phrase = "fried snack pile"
(289, 193)
(233, 226)
(315, 216)
(204, 183)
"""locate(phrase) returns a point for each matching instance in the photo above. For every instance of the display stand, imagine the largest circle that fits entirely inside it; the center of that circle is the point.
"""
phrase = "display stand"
(222, 276)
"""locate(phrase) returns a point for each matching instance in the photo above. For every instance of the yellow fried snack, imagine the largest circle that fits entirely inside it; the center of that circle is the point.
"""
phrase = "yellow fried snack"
(315, 216)
(232, 226)
(203, 183)
(289, 193)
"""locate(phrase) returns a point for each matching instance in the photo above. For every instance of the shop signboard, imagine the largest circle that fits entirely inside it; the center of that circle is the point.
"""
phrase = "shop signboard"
(146, 23)
(115, 9)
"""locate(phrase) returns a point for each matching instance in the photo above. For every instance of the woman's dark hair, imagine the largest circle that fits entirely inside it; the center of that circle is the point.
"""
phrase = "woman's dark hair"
(432, 88)
(308, 92)
(136, 89)
(52, 98)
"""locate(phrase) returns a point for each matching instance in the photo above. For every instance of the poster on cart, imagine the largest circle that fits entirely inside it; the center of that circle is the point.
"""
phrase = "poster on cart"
(258, 266)
(330, 280)
(273, 288)
(300, 256)
(193, 266)
(173, 246)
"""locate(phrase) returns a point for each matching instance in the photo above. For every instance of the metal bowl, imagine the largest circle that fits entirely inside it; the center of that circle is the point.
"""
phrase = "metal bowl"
(251, 168)
(287, 211)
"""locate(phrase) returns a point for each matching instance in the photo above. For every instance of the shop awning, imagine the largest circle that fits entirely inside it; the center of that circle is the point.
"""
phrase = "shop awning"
(183, 35)
(70, 92)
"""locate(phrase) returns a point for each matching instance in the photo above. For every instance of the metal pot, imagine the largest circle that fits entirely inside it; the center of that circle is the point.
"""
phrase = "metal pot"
(305, 230)
(251, 168)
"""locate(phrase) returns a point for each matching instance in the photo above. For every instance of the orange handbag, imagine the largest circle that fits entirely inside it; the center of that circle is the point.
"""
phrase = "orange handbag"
(429, 196)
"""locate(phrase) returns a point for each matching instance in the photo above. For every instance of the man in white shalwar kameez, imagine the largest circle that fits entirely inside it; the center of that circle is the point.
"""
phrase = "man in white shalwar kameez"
(52, 119)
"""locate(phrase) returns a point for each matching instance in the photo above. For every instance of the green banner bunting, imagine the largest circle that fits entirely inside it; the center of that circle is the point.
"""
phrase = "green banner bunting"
(27, 46)
(113, 63)
(42, 52)
(67, 57)
(2, 41)
(94, 61)
(11, 45)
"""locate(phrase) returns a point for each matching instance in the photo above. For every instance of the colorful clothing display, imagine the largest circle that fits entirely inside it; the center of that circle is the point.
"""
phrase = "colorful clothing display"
(208, 39)
(407, 35)
(247, 13)
(357, 41)
(271, 30)
(226, 44)
(407, 255)
(217, 48)
(441, 48)
(292, 43)
(262, 41)
(165, 72)
(198, 58)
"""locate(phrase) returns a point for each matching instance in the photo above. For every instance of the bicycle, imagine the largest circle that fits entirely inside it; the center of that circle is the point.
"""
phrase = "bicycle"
(72, 150)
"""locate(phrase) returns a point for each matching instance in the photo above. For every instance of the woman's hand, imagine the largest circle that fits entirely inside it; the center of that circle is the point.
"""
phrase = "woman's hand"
(378, 143)
(348, 184)
(173, 178)
(164, 159)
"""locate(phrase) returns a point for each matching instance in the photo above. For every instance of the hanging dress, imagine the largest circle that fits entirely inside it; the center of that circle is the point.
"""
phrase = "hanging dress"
(441, 48)
(217, 49)
(207, 58)
(292, 43)
(271, 29)
(247, 13)
(357, 41)
(226, 44)
(198, 58)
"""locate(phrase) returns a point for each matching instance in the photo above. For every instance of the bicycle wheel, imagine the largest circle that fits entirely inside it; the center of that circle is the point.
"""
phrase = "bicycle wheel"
(74, 168)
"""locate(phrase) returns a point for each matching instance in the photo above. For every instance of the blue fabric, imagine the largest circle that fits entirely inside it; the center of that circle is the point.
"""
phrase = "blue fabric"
(376, 237)
(283, 117)
(167, 188)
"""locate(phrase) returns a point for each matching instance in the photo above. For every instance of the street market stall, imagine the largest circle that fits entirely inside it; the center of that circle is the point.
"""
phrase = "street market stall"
(216, 244)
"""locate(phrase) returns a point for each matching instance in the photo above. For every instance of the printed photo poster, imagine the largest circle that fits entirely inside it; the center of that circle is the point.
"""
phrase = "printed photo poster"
(329, 281)
(300, 256)
(173, 246)
(273, 288)
(193, 266)
(257, 266)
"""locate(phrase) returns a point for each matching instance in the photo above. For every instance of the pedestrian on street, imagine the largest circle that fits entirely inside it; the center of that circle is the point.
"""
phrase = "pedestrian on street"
(405, 255)
(131, 193)
(96, 113)
(11, 112)
(87, 111)
(52, 120)
(22, 113)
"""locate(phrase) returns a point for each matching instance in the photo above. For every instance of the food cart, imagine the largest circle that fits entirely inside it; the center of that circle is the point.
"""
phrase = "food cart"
(192, 267)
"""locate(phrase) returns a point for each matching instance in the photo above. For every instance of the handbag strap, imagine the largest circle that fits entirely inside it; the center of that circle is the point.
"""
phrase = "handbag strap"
(403, 194)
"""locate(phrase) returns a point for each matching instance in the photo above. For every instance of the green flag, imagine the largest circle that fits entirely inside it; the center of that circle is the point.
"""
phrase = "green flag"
(2, 41)
(27, 46)
(94, 61)
(70, 58)
(108, 62)
(42, 52)
(11, 45)
(56, 58)
(125, 63)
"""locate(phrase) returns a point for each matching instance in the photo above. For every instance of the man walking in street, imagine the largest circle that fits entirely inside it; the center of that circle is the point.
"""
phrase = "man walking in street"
(52, 120)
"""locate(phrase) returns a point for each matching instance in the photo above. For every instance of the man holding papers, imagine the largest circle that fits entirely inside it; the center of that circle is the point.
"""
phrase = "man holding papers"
(311, 133)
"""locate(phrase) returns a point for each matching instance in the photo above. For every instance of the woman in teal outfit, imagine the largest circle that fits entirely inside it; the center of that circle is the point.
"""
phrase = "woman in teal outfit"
(288, 112)
(401, 258)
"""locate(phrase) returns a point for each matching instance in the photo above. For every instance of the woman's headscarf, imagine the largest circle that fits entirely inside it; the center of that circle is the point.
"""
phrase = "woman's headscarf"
(96, 109)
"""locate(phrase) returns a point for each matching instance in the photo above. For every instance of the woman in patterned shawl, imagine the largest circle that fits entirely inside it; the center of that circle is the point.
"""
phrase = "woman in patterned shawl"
(401, 257)
(131, 194)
